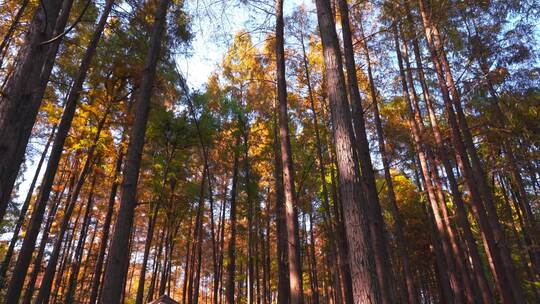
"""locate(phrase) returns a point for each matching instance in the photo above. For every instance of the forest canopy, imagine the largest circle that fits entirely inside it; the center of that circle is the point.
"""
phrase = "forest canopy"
(338, 152)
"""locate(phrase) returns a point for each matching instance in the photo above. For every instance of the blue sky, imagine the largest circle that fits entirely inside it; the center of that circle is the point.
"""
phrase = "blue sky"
(214, 28)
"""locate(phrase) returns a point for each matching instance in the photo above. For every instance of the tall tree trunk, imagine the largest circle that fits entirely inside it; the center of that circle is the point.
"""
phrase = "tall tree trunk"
(330, 227)
(147, 246)
(365, 287)
(87, 277)
(375, 220)
(250, 215)
(482, 202)
(76, 263)
(157, 261)
(442, 154)
(295, 267)
(22, 214)
(313, 262)
(117, 258)
(221, 249)
(106, 228)
(429, 183)
(199, 237)
(231, 267)
(36, 268)
(18, 103)
(56, 153)
(187, 269)
(283, 291)
(44, 290)
(193, 288)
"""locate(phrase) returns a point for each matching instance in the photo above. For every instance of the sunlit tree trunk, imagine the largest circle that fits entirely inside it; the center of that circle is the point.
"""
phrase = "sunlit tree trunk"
(472, 172)
(56, 201)
(295, 267)
(442, 154)
(429, 183)
(118, 253)
(76, 263)
(96, 282)
(281, 233)
(364, 281)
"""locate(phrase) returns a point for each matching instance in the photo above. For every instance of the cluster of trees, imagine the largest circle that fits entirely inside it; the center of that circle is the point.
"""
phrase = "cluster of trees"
(359, 152)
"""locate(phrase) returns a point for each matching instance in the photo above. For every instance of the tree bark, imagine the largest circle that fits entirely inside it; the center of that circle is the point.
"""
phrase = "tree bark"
(231, 251)
(330, 226)
(118, 255)
(56, 153)
(482, 203)
(295, 267)
(22, 214)
(375, 220)
(106, 228)
(20, 101)
(76, 263)
(283, 295)
(365, 287)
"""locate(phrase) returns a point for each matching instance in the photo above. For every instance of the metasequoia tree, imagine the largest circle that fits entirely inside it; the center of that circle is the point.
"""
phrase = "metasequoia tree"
(396, 164)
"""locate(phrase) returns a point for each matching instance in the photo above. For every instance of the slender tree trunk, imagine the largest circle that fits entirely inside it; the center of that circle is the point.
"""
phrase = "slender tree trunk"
(283, 296)
(54, 159)
(106, 228)
(147, 246)
(313, 262)
(193, 289)
(250, 214)
(187, 264)
(429, 184)
(295, 267)
(231, 267)
(87, 277)
(492, 232)
(442, 153)
(199, 246)
(76, 263)
(117, 258)
(221, 249)
(365, 287)
(22, 214)
(157, 261)
(36, 268)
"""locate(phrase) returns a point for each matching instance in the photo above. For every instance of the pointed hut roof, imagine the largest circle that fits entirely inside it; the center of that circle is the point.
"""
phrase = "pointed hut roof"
(164, 299)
